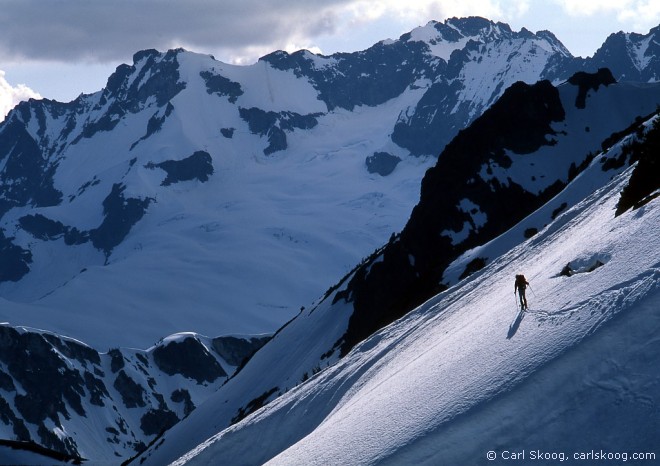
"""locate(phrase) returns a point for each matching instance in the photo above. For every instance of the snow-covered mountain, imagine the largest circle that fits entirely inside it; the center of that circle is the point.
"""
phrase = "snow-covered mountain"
(636, 55)
(191, 195)
(460, 376)
(438, 375)
(74, 400)
(236, 193)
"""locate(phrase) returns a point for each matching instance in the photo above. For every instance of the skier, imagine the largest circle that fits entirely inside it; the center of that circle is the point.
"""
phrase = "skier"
(519, 287)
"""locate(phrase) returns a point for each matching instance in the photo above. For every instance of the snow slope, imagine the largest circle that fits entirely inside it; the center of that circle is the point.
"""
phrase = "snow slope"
(203, 246)
(17, 456)
(452, 381)
(240, 250)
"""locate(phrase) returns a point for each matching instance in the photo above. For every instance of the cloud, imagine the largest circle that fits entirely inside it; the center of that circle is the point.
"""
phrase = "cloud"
(112, 30)
(240, 31)
(103, 30)
(10, 96)
(421, 11)
(639, 13)
(589, 8)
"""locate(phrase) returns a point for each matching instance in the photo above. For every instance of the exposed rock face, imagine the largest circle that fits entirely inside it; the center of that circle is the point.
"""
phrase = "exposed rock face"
(630, 56)
(644, 184)
(275, 125)
(219, 85)
(235, 350)
(382, 163)
(189, 358)
(587, 82)
(198, 166)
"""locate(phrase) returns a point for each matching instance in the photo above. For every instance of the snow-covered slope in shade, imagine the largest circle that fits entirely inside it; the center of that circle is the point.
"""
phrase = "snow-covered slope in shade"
(238, 253)
(456, 378)
(18, 455)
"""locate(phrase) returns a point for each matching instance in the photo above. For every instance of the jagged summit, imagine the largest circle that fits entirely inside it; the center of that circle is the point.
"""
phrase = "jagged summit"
(152, 75)
(631, 56)
(443, 38)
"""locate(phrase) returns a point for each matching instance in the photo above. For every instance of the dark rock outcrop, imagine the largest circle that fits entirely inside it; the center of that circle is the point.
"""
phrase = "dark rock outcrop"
(120, 215)
(382, 163)
(274, 125)
(221, 86)
(644, 183)
(236, 350)
(189, 358)
(590, 81)
(198, 166)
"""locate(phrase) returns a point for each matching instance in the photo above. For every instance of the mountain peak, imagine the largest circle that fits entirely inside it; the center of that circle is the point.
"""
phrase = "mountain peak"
(635, 57)
(476, 25)
(151, 68)
(458, 29)
(147, 53)
(456, 33)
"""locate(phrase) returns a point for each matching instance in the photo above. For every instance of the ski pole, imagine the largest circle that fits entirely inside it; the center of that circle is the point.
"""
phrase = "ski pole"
(515, 299)
(530, 287)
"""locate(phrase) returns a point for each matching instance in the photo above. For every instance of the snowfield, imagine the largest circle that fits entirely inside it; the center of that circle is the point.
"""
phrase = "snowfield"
(243, 250)
(452, 381)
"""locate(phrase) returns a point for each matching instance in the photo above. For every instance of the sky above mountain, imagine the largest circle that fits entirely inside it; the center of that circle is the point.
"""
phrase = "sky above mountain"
(60, 49)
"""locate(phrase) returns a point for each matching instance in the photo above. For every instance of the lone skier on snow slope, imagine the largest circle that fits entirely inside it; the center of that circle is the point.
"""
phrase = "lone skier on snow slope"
(519, 287)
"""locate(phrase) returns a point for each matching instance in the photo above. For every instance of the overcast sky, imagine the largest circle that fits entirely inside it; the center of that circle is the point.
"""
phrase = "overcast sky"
(58, 49)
